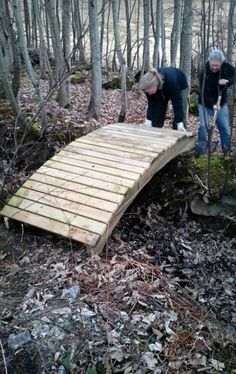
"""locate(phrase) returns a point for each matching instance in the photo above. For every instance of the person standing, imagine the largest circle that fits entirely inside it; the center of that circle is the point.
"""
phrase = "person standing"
(219, 75)
(160, 86)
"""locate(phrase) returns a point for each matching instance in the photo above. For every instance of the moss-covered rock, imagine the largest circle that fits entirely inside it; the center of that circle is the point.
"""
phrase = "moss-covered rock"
(115, 83)
(78, 78)
(222, 176)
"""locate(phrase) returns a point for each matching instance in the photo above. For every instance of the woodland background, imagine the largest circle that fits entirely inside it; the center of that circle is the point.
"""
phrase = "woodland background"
(161, 296)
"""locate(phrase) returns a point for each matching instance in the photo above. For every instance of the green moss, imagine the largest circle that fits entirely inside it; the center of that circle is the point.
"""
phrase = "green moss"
(115, 83)
(36, 127)
(78, 78)
(193, 101)
(222, 170)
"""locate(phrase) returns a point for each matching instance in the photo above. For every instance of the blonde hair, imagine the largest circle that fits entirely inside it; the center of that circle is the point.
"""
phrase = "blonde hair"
(152, 79)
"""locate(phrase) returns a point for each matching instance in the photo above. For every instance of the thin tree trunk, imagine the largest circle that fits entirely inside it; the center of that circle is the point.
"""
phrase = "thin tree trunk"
(128, 33)
(163, 38)
(27, 22)
(186, 50)
(44, 60)
(78, 26)
(175, 33)
(107, 36)
(156, 54)
(30, 70)
(122, 62)
(230, 45)
(6, 84)
(94, 107)
(102, 29)
(61, 68)
(146, 47)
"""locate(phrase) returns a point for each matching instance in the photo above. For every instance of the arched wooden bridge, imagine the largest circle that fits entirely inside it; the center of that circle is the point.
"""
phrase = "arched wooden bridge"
(82, 192)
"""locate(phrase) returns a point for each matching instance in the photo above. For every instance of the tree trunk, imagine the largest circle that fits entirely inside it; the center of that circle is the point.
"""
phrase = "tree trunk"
(27, 22)
(61, 68)
(79, 31)
(186, 50)
(156, 54)
(102, 27)
(15, 67)
(121, 61)
(128, 33)
(66, 20)
(163, 38)
(94, 107)
(29, 68)
(146, 47)
(6, 84)
(230, 45)
(44, 60)
(175, 33)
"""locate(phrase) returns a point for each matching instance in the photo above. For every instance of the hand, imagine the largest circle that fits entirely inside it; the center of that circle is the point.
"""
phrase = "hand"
(147, 123)
(216, 107)
(180, 127)
(223, 82)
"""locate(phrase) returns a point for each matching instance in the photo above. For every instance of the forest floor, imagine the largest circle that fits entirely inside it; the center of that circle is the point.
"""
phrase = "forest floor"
(159, 299)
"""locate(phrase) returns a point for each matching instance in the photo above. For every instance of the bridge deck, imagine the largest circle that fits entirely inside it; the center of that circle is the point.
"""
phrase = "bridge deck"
(82, 191)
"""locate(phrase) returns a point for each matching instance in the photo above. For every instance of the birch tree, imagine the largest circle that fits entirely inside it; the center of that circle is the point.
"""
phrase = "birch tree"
(94, 107)
(186, 50)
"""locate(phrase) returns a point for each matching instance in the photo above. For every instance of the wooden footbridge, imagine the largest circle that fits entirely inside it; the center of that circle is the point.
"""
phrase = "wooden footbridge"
(82, 192)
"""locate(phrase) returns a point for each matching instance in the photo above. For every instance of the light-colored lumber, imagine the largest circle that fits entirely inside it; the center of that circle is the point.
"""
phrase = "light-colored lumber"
(82, 191)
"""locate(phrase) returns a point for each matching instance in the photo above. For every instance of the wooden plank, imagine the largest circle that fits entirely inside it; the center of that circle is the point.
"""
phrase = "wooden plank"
(64, 176)
(162, 159)
(138, 144)
(106, 156)
(58, 215)
(92, 166)
(67, 205)
(103, 162)
(141, 129)
(51, 225)
(90, 173)
(40, 183)
(120, 146)
(160, 138)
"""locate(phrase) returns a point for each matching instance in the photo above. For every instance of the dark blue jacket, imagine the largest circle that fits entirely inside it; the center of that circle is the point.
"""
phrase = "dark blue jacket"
(174, 82)
(212, 87)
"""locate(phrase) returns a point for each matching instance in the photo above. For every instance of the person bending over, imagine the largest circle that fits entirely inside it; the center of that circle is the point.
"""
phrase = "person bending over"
(160, 86)
(219, 75)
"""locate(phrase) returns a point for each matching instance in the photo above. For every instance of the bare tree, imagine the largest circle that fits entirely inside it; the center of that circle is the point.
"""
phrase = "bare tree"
(44, 60)
(79, 32)
(61, 66)
(175, 33)
(186, 50)
(29, 68)
(122, 61)
(94, 107)
(157, 34)
(128, 32)
(146, 47)
(231, 36)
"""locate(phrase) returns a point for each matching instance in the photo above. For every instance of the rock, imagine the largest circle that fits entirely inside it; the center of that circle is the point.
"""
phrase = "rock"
(16, 341)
